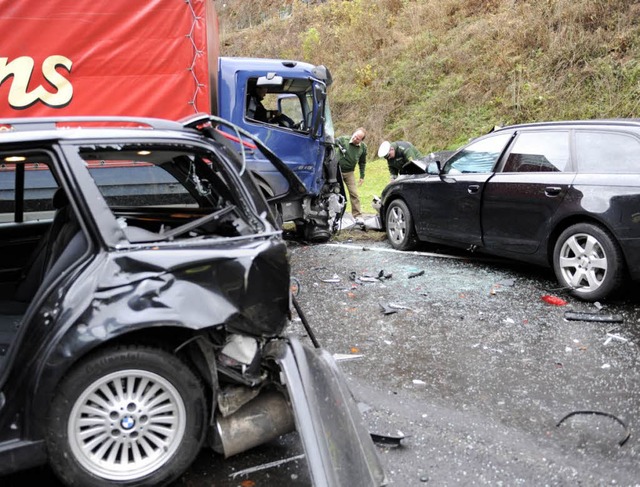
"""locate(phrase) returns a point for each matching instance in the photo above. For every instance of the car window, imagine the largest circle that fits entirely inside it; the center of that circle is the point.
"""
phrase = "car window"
(477, 157)
(539, 152)
(601, 152)
(154, 176)
(167, 191)
(39, 186)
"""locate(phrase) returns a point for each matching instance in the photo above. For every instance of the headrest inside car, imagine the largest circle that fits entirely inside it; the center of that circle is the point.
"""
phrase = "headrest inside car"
(60, 199)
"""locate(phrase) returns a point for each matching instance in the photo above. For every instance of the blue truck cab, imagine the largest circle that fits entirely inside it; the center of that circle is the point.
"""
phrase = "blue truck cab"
(296, 125)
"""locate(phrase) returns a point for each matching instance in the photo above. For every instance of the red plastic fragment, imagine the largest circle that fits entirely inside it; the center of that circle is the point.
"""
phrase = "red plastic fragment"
(556, 301)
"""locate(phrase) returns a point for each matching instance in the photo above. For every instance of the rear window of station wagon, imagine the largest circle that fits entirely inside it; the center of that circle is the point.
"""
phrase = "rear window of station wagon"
(607, 152)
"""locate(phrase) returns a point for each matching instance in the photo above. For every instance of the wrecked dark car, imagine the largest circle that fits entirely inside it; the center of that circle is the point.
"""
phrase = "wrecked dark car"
(558, 194)
(145, 292)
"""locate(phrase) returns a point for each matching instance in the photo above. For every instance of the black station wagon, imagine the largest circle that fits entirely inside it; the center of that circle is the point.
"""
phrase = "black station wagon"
(144, 296)
(559, 194)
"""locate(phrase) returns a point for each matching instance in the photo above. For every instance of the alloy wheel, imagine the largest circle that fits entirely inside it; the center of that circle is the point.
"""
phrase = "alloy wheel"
(583, 262)
(396, 225)
(127, 424)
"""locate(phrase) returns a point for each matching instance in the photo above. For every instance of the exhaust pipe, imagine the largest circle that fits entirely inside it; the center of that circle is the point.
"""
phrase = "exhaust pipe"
(263, 419)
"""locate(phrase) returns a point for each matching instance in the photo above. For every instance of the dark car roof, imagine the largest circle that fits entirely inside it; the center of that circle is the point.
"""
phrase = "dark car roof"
(21, 130)
(628, 122)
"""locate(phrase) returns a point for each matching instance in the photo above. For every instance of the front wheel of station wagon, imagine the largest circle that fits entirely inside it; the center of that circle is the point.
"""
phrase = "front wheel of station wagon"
(127, 416)
(588, 261)
(399, 225)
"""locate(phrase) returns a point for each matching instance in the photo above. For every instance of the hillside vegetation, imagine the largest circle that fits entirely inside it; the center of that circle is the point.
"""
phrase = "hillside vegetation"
(438, 72)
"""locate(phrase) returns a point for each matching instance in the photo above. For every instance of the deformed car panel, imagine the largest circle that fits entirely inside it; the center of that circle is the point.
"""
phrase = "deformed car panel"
(339, 450)
(244, 287)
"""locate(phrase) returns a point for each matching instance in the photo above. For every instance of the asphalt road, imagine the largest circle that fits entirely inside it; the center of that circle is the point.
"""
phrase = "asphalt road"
(462, 357)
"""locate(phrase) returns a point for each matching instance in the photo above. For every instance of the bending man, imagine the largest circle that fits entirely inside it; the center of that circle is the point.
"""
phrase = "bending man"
(397, 155)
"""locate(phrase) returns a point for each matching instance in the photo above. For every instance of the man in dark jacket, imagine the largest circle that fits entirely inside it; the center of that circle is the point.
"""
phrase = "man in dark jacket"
(255, 108)
(257, 111)
(352, 152)
(397, 155)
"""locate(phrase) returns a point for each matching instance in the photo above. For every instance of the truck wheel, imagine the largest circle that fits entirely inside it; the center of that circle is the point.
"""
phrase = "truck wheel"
(314, 233)
(126, 416)
(399, 224)
(587, 260)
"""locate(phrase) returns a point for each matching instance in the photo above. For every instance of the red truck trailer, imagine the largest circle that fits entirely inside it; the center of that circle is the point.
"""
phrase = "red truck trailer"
(160, 58)
(108, 57)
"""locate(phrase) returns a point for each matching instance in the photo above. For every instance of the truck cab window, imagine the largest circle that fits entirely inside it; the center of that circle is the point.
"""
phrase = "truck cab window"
(285, 105)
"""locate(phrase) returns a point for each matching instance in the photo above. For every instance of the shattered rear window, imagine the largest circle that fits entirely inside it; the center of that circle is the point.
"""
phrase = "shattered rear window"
(152, 176)
(155, 189)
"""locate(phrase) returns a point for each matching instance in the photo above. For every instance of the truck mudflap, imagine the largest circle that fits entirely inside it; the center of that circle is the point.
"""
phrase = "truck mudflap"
(337, 445)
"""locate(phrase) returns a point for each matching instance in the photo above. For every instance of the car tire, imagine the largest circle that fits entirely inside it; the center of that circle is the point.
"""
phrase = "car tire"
(588, 260)
(314, 234)
(126, 416)
(399, 225)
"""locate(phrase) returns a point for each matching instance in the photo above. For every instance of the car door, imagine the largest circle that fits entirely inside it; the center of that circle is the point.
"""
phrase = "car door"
(289, 187)
(450, 204)
(526, 191)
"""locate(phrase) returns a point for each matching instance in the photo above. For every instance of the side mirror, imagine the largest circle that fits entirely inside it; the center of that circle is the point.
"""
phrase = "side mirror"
(320, 94)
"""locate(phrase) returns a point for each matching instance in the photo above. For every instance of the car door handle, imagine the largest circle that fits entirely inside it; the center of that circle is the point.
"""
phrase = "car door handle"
(473, 188)
(552, 191)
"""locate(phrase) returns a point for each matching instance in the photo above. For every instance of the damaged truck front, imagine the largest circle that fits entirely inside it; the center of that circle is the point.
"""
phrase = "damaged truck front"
(138, 329)
(298, 128)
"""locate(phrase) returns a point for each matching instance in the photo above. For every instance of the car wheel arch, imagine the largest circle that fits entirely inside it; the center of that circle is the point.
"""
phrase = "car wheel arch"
(180, 342)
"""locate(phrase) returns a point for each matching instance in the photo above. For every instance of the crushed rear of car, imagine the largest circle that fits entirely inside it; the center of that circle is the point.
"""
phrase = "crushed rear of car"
(145, 291)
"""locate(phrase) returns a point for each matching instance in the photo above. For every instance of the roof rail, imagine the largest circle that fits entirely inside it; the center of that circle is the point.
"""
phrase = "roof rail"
(52, 123)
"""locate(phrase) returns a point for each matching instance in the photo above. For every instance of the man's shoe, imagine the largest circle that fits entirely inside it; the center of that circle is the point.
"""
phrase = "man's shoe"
(359, 221)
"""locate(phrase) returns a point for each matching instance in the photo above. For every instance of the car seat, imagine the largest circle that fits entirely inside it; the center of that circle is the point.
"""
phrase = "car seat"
(50, 248)
(60, 246)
